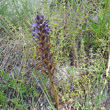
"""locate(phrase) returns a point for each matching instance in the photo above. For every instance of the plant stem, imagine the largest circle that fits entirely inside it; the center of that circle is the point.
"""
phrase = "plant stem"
(53, 88)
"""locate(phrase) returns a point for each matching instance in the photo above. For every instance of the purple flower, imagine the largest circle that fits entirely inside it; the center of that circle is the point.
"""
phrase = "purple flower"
(33, 25)
(41, 28)
(35, 30)
(48, 29)
(46, 22)
(39, 18)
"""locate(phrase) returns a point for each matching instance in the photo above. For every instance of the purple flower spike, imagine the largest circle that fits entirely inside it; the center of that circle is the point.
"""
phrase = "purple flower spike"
(41, 27)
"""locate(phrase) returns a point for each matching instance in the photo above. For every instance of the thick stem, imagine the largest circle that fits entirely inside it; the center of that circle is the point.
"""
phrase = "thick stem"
(53, 88)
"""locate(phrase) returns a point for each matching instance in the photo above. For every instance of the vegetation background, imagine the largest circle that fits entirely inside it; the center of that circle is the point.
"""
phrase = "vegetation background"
(80, 38)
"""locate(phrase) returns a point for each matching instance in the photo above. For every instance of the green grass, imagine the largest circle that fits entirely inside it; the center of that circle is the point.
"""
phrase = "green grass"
(80, 36)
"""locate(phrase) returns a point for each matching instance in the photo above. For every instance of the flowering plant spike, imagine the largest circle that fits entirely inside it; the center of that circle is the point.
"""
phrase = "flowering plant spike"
(41, 36)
